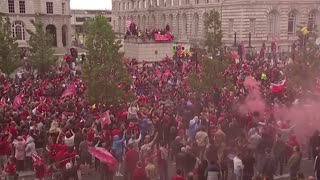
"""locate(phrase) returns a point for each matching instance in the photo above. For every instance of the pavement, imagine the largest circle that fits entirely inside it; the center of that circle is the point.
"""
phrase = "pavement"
(306, 168)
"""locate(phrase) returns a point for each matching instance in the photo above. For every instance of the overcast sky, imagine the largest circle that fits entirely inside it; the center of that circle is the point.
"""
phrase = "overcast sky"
(91, 4)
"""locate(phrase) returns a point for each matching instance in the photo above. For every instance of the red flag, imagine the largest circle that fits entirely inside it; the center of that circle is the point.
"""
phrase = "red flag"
(167, 72)
(18, 100)
(70, 90)
(125, 59)
(2, 101)
(278, 87)
(37, 159)
(104, 156)
(183, 67)
(105, 119)
(233, 54)
(158, 73)
(128, 23)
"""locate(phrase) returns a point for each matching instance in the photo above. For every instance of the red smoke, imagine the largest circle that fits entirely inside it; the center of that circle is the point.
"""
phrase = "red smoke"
(254, 101)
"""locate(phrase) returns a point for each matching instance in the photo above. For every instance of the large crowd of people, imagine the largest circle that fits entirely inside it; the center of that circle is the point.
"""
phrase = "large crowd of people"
(168, 125)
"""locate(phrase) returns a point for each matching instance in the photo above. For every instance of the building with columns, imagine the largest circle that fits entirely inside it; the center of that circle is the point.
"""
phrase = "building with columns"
(264, 19)
(54, 14)
(77, 20)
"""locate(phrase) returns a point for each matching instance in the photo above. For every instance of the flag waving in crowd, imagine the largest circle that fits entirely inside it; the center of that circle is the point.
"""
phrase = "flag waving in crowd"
(70, 90)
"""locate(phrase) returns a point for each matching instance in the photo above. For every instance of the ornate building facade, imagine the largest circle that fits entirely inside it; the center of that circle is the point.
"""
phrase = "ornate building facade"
(77, 20)
(264, 19)
(54, 14)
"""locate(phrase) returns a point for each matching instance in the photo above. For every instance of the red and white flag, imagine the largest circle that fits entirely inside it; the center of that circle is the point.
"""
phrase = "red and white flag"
(70, 90)
(105, 118)
(37, 160)
(278, 87)
(18, 100)
(233, 54)
(158, 73)
(2, 101)
(128, 23)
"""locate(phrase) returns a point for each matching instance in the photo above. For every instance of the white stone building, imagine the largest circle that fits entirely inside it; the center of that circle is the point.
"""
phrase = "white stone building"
(265, 19)
(54, 14)
(78, 17)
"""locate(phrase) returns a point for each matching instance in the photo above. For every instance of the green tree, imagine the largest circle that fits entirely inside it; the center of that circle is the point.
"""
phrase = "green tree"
(9, 51)
(213, 33)
(40, 49)
(210, 76)
(104, 74)
(303, 72)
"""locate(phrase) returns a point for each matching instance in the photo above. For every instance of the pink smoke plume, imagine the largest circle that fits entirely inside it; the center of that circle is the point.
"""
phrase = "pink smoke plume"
(304, 116)
(254, 101)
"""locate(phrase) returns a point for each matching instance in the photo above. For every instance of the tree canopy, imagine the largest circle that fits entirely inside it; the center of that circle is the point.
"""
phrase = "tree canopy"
(9, 51)
(213, 33)
(104, 73)
(40, 49)
(305, 69)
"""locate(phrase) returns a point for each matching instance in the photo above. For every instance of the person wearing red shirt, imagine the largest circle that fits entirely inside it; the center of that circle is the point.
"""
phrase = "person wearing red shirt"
(4, 147)
(10, 169)
(139, 173)
(131, 159)
(178, 176)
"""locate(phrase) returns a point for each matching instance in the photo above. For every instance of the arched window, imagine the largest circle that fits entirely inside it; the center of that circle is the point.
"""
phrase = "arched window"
(184, 24)
(18, 30)
(273, 23)
(195, 23)
(312, 21)
(292, 19)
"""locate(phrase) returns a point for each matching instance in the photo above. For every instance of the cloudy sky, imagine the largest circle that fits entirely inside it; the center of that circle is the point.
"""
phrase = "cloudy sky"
(91, 4)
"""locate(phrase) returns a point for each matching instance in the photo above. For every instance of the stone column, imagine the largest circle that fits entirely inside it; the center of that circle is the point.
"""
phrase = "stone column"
(59, 36)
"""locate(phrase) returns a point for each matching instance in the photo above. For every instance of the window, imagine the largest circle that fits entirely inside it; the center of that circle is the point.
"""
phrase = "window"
(18, 30)
(187, 1)
(81, 19)
(119, 6)
(133, 5)
(165, 2)
(49, 7)
(230, 28)
(109, 19)
(158, 2)
(11, 6)
(273, 23)
(312, 21)
(197, 1)
(172, 4)
(144, 4)
(207, 1)
(22, 7)
(128, 5)
(179, 2)
(253, 26)
(139, 5)
(124, 6)
(291, 23)
(63, 7)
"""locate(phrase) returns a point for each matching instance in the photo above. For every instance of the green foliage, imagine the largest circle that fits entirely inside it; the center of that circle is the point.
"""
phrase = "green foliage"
(40, 49)
(306, 67)
(104, 73)
(210, 77)
(213, 33)
(9, 51)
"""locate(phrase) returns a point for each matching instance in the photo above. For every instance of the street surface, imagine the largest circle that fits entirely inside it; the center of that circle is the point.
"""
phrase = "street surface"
(306, 168)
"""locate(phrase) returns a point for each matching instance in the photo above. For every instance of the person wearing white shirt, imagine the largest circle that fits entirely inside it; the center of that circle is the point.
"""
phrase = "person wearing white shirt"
(69, 140)
(134, 141)
(238, 167)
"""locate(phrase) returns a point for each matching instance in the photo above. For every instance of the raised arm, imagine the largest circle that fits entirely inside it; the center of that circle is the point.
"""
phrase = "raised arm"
(123, 137)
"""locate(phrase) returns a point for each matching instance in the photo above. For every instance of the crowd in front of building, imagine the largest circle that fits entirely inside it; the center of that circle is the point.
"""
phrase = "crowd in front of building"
(50, 129)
